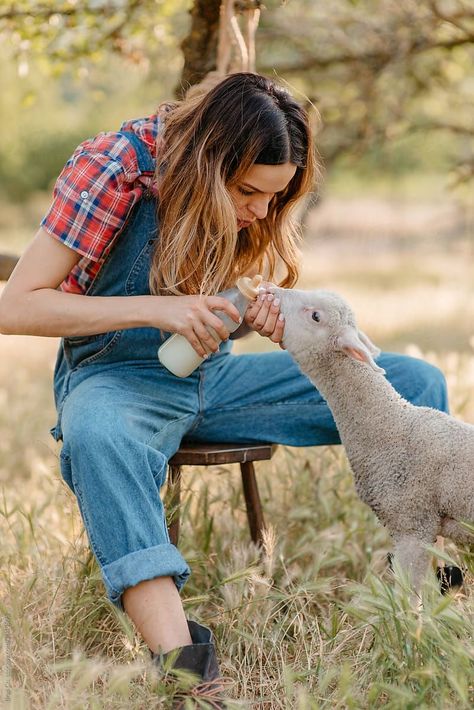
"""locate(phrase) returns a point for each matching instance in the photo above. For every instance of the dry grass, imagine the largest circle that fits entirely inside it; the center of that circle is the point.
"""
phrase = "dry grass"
(315, 623)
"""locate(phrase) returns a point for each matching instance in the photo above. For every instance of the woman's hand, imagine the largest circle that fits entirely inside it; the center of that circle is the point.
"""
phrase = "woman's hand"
(263, 315)
(193, 317)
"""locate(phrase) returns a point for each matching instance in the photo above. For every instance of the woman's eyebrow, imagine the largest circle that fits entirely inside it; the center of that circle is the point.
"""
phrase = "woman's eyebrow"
(252, 187)
(255, 189)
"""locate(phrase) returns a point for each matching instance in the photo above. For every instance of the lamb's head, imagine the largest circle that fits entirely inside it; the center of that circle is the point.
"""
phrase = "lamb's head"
(319, 323)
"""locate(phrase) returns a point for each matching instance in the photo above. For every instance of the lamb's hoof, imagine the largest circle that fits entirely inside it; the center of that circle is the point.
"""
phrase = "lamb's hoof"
(390, 561)
(449, 577)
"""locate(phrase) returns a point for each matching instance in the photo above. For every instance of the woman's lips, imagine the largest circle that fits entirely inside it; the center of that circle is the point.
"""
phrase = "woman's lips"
(242, 224)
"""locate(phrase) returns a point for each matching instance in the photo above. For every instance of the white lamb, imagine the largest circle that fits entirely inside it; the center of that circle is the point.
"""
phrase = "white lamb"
(414, 466)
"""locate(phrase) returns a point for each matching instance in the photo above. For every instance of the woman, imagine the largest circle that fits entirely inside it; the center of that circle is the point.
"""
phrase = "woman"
(145, 225)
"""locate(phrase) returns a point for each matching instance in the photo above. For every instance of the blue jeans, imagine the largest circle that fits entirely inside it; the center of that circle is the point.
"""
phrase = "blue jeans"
(122, 422)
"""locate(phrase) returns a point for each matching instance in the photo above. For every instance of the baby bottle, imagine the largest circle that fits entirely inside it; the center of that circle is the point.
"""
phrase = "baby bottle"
(178, 355)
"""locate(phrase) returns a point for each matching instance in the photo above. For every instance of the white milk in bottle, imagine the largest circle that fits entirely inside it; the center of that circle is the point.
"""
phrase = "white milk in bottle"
(178, 355)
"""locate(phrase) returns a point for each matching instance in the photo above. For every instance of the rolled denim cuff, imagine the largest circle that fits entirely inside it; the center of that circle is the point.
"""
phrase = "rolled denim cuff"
(158, 561)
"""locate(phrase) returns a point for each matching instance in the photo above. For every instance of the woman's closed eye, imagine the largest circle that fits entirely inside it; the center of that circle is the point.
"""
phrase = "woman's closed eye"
(247, 193)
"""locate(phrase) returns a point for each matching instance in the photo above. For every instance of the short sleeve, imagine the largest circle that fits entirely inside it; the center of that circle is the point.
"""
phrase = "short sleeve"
(93, 195)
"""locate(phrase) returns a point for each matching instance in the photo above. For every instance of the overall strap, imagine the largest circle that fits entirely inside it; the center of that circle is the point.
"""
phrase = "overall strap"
(126, 267)
(146, 162)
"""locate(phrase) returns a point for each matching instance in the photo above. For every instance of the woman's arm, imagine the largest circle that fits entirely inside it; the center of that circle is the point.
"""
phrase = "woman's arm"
(31, 304)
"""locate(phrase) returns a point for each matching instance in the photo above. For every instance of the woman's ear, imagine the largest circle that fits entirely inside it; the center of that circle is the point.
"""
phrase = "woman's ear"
(350, 342)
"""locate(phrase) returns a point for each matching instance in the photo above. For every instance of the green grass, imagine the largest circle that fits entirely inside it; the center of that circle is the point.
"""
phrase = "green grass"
(316, 622)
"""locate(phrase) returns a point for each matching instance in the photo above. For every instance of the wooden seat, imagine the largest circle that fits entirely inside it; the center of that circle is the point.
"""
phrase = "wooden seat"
(191, 454)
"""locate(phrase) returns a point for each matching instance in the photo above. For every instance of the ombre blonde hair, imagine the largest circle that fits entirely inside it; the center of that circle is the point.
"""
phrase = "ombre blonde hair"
(210, 142)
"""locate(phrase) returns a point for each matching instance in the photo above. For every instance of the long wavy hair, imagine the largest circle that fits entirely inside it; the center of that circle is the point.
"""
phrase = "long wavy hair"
(210, 142)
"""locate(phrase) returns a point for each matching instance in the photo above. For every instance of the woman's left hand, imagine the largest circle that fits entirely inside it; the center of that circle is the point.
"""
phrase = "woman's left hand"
(263, 315)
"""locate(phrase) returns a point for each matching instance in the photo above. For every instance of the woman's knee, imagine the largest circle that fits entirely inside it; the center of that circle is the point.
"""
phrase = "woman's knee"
(434, 390)
(100, 453)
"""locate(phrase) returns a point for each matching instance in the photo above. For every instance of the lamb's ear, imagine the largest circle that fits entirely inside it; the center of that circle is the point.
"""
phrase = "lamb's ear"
(350, 342)
(373, 349)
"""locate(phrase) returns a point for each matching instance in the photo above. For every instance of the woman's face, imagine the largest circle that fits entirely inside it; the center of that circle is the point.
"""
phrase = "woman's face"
(253, 192)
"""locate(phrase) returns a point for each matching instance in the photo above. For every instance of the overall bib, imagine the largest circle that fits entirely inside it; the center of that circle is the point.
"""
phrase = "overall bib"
(122, 415)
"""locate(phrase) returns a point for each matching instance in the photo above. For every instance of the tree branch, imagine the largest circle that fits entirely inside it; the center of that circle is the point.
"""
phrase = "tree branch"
(377, 58)
(45, 12)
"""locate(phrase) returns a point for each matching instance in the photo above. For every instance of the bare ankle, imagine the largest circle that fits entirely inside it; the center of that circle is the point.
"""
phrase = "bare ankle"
(156, 609)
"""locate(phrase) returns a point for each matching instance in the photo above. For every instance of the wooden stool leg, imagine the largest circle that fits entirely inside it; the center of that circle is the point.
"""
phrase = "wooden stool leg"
(252, 501)
(174, 502)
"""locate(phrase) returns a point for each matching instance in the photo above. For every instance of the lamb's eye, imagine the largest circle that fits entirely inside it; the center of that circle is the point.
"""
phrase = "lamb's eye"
(315, 315)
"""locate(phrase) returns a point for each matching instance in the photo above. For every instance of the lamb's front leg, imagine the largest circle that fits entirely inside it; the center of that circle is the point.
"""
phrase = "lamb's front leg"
(412, 557)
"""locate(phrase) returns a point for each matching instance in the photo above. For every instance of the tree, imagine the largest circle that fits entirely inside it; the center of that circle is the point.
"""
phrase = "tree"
(377, 70)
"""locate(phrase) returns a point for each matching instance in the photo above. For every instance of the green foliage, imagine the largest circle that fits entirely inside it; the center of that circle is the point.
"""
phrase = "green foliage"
(378, 70)
(65, 31)
(71, 70)
(43, 120)
(383, 76)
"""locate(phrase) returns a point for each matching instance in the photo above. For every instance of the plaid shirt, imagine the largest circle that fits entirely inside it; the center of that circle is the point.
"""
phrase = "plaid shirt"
(94, 194)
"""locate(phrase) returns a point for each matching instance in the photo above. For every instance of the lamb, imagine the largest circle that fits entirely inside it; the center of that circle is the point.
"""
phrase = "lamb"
(414, 466)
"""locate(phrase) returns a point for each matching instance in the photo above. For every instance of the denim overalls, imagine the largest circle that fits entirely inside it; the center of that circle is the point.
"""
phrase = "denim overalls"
(122, 415)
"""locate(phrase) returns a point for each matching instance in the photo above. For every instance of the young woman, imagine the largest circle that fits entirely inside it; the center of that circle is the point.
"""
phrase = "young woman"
(146, 225)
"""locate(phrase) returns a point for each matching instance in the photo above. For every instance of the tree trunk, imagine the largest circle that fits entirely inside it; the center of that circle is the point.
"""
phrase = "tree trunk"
(200, 46)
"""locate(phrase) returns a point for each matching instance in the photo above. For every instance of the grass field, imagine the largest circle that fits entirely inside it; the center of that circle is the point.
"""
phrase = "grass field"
(314, 623)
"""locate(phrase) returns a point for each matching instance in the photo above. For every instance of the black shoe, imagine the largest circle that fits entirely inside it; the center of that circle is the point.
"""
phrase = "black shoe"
(449, 577)
(199, 658)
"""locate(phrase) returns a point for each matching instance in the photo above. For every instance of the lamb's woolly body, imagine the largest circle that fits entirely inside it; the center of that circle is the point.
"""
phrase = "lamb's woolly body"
(413, 465)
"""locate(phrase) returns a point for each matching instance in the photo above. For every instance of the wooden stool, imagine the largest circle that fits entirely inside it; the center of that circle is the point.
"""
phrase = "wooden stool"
(191, 454)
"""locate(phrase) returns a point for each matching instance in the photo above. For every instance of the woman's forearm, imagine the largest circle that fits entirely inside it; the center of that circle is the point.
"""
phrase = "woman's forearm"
(53, 313)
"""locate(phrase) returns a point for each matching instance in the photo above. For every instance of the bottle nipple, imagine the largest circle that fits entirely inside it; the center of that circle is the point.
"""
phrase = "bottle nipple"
(249, 286)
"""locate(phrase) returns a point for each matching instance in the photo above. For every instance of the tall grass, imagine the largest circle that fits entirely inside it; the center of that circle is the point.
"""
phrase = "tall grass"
(316, 621)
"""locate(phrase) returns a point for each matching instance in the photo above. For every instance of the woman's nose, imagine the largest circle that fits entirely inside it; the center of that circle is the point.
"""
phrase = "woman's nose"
(259, 207)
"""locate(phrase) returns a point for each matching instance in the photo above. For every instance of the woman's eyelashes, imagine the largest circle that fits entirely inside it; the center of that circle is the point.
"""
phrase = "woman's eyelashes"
(247, 193)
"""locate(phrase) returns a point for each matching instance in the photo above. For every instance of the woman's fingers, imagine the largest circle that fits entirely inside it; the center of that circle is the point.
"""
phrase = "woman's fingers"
(268, 315)
(263, 316)
(277, 334)
(205, 330)
(219, 303)
(206, 340)
(211, 332)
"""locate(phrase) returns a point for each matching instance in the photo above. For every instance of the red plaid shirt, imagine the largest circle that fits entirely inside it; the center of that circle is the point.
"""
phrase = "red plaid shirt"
(95, 193)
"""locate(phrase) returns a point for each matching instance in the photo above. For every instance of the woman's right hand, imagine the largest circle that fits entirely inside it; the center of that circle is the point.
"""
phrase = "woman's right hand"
(194, 318)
